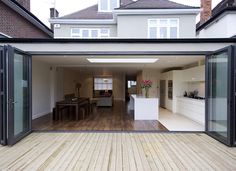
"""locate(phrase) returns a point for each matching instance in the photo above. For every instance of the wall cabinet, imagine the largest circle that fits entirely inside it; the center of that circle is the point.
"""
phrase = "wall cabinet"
(194, 74)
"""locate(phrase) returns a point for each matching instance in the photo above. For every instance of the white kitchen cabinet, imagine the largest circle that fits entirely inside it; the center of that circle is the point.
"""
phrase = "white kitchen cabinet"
(194, 109)
(194, 74)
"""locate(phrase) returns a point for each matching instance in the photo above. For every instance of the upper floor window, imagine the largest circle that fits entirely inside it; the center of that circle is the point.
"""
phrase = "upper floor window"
(90, 32)
(108, 5)
(163, 28)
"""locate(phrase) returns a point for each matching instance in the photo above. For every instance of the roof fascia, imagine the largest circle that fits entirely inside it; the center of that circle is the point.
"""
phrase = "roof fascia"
(118, 40)
(82, 21)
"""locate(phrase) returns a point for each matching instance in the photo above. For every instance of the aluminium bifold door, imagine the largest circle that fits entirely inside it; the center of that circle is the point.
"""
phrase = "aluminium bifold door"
(16, 103)
(220, 95)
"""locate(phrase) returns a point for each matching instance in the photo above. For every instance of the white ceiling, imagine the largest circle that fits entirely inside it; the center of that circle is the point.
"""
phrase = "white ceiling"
(75, 61)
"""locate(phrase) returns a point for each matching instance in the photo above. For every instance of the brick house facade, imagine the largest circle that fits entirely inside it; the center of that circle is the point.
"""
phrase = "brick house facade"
(17, 22)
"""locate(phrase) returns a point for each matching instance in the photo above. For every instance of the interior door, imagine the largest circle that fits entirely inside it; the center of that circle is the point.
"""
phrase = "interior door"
(220, 92)
(15, 95)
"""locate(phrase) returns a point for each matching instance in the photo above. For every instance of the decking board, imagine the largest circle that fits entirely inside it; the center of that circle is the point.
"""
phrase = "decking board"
(118, 151)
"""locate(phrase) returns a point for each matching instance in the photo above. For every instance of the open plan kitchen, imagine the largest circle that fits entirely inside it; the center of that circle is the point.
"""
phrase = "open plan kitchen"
(182, 93)
(176, 97)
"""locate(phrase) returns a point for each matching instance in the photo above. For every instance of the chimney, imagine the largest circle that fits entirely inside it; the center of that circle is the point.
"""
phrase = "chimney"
(53, 14)
(25, 4)
(206, 10)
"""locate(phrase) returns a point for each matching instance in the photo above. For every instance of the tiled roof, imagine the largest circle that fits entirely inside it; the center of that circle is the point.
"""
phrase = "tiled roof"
(155, 4)
(88, 13)
(92, 12)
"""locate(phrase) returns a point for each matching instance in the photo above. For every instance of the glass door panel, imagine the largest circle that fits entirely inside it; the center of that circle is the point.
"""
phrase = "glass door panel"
(220, 94)
(16, 94)
(21, 94)
(217, 94)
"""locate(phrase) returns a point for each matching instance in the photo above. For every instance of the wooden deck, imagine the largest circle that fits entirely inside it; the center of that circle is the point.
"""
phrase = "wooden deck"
(118, 151)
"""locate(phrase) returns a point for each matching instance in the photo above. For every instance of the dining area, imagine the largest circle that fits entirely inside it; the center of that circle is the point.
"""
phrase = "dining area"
(73, 108)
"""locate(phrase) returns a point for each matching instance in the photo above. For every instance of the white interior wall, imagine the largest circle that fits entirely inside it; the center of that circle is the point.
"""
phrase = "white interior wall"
(154, 76)
(200, 86)
(70, 78)
(41, 95)
(57, 85)
(47, 87)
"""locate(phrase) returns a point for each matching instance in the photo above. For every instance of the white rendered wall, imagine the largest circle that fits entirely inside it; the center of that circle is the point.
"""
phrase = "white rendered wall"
(117, 47)
(225, 27)
(64, 31)
(136, 26)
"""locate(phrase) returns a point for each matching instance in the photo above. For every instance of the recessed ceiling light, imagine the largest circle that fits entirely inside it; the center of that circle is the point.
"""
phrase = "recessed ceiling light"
(122, 60)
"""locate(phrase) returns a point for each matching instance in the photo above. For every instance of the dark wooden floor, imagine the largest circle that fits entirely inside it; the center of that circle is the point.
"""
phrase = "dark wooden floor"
(117, 118)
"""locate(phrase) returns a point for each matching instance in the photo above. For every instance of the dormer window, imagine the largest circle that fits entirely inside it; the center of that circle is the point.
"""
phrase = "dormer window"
(108, 5)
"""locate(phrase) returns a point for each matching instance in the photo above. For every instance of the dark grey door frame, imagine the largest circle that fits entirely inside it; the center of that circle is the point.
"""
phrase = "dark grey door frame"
(7, 96)
(3, 131)
(11, 138)
(233, 117)
(231, 93)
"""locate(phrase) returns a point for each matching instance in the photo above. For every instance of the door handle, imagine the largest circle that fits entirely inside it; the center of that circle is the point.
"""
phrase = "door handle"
(12, 102)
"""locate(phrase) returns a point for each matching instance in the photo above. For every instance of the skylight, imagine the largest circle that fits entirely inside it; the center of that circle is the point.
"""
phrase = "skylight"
(122, 60)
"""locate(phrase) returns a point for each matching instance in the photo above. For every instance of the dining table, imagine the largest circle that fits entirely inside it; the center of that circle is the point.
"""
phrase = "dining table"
(77, 103)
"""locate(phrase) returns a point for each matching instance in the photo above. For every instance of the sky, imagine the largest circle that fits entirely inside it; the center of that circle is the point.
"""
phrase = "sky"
(40, 8)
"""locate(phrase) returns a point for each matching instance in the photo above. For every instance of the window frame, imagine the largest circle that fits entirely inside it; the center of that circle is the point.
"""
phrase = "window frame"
(102, 77)
(80, 34)
(108, 5)
(158, 26)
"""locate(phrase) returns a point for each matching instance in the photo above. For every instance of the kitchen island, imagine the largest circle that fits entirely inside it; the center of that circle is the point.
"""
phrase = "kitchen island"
(145, 108)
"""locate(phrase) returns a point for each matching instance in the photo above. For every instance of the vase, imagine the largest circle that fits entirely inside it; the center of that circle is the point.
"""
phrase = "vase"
(146, 92)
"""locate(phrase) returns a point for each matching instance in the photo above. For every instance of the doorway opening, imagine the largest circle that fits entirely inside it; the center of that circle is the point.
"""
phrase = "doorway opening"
(60, 82)
(110, 88)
